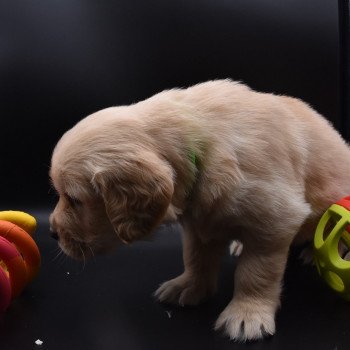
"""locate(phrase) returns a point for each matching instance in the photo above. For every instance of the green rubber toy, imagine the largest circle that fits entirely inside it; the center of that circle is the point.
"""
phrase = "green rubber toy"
(332, 231)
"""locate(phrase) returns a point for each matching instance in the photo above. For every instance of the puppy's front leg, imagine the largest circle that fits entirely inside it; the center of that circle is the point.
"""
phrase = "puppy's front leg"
(250, 315)
(199, 280)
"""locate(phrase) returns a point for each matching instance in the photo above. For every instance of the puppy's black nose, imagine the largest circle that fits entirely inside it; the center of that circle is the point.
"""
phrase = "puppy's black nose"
(54, 235)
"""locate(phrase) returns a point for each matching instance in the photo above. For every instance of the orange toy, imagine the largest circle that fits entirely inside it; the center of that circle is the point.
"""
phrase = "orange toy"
(5, 291)
(14, 267)
(19, 254)
(25, 245)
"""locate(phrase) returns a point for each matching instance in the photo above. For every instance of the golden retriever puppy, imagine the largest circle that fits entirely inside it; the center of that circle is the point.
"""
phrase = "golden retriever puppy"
(225, 161)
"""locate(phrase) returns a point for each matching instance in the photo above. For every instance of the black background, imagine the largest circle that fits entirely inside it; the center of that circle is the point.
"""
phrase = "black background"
(61, 60)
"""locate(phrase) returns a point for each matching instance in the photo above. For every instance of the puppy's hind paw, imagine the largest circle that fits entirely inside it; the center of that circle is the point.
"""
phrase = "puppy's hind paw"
(347, 256)
(243, 322)
(307, 256)
(236, 248)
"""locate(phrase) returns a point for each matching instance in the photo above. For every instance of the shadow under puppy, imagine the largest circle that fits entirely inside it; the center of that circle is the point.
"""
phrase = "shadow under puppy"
(225, 161)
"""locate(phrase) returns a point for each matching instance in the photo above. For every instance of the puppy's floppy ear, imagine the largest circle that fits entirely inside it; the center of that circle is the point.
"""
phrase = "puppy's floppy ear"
(137, 191)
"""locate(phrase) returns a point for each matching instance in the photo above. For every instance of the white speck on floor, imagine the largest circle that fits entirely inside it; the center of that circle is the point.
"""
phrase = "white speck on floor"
(39, 342)
(169, 313)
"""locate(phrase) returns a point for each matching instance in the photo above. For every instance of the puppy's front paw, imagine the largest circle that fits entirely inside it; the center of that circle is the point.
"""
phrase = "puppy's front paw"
(242, 320)
(183, 290)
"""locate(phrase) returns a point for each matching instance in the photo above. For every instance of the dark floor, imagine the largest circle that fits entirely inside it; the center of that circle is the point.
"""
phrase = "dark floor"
(107, 304)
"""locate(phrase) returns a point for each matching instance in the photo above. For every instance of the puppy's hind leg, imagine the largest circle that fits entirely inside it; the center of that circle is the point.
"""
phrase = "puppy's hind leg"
(199, 280)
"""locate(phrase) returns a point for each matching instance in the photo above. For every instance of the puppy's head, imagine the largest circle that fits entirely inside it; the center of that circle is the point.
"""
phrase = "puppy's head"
(110, 191)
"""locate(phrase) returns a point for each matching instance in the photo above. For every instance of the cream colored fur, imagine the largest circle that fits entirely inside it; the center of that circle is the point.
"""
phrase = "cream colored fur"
(266, 168)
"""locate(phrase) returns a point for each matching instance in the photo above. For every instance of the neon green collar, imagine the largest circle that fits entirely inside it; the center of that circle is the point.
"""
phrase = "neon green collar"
(193, 158)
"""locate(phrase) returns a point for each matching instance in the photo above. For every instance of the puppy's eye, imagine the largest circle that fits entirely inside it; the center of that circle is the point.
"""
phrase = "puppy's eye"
(74, 202)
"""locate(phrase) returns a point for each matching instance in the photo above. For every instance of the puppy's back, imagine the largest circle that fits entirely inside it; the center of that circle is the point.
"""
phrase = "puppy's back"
(285, 127)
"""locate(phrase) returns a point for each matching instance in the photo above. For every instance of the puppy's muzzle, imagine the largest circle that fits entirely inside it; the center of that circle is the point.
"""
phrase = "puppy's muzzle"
(53, 231)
